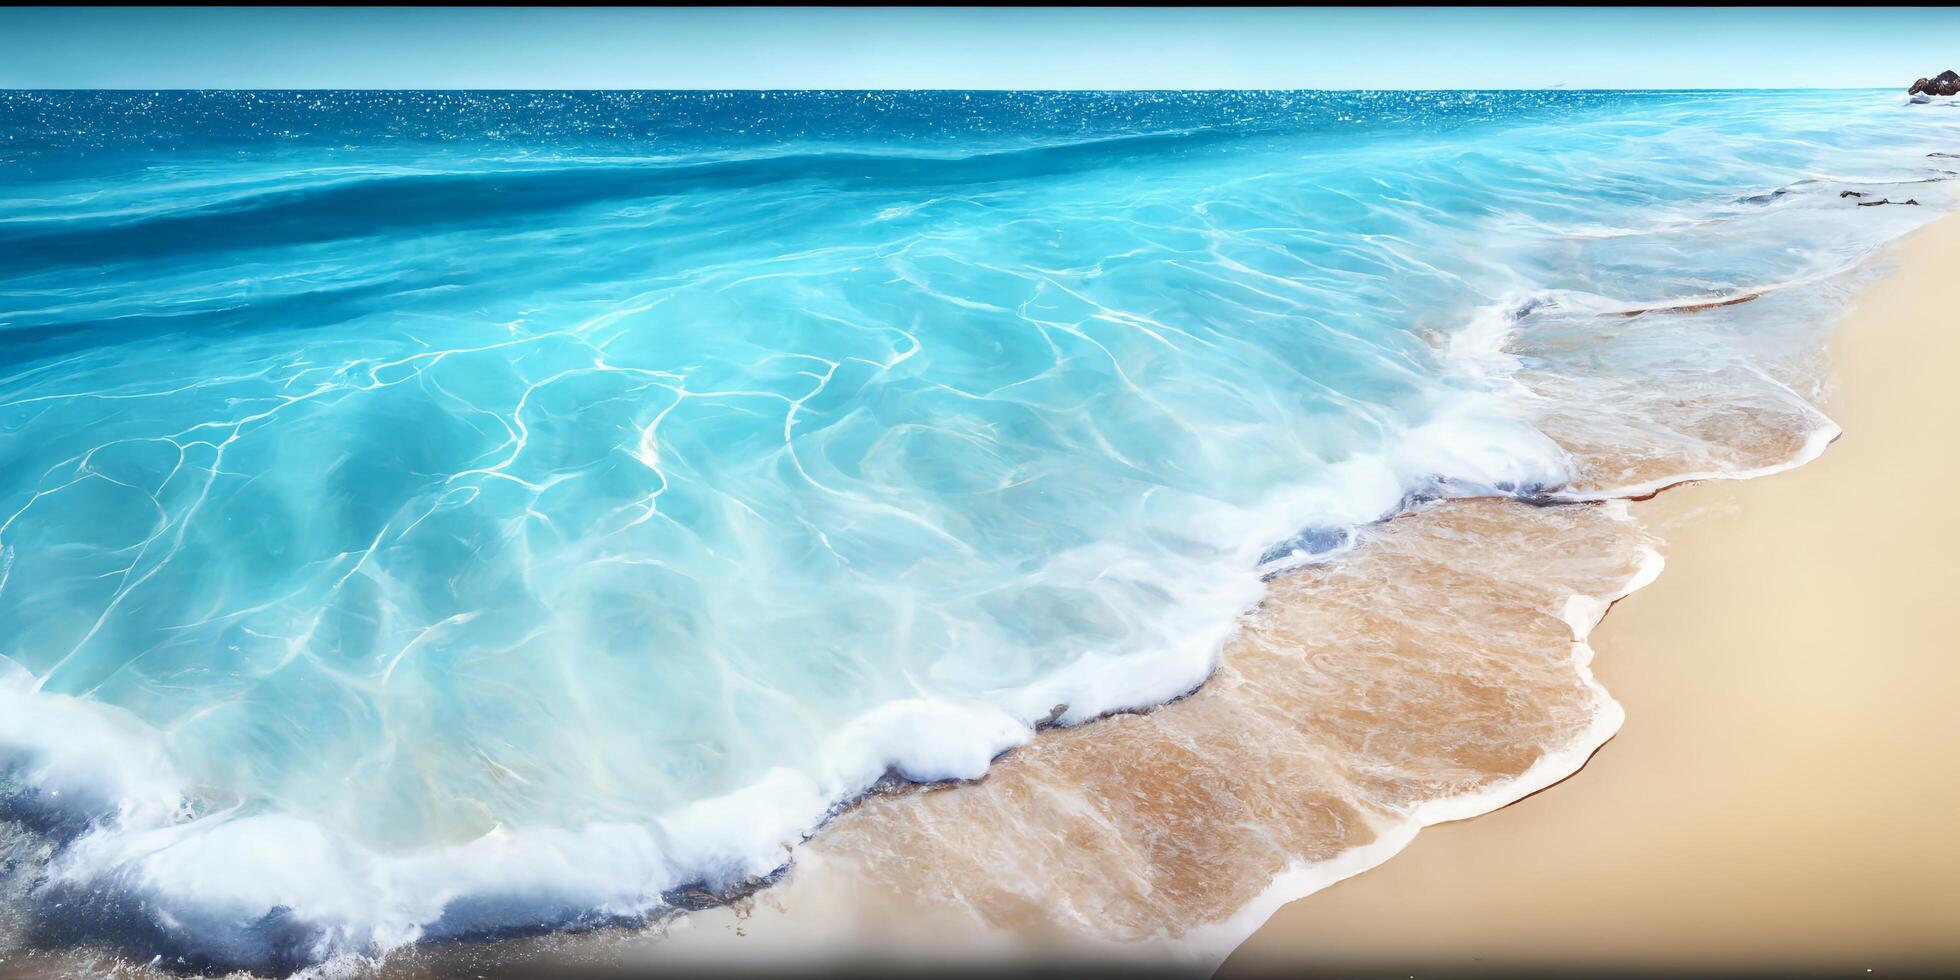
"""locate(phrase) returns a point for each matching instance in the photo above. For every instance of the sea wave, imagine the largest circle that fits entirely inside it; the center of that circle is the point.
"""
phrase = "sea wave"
(454, 546)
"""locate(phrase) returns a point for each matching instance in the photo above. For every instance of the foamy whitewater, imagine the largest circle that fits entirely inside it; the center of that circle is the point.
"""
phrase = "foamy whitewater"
(430, 515)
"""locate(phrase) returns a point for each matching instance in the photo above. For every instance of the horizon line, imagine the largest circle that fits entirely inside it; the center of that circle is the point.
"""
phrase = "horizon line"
(933, 89)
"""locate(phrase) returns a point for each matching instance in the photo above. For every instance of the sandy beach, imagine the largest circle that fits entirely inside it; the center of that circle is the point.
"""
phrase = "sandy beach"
(1781, 794)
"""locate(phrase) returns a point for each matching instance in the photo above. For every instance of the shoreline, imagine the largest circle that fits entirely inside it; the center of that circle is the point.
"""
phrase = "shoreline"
(1592, 872)
(833, 907)
(1204, 947)
(703, 936)
(1585, 614)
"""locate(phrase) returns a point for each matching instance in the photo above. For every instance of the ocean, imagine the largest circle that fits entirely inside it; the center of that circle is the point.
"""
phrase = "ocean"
(434, 515)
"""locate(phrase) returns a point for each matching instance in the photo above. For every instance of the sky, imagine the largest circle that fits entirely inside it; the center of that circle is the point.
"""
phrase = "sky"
(973, 48)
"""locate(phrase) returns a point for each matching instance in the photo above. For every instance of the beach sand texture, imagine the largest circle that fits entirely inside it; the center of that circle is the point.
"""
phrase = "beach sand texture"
(1782, 792)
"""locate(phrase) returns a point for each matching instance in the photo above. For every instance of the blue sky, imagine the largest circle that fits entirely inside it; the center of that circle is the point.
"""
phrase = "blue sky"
(973, 48)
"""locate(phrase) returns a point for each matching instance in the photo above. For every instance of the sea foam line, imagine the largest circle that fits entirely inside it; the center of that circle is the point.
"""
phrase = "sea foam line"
(1209, 944)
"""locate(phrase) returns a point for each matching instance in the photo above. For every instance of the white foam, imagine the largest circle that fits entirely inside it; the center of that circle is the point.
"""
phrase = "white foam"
(90, 757)
(213, 878)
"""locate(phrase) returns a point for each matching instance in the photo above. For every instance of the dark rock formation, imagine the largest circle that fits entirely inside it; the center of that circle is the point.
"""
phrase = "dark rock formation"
(1886, 200)
(1944, 83)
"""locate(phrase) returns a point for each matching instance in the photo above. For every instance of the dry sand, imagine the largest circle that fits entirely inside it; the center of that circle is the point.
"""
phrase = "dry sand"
(1784, 792)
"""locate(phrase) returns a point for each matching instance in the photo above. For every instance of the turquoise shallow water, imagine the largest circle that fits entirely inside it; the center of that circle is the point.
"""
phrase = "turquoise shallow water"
(428, 513)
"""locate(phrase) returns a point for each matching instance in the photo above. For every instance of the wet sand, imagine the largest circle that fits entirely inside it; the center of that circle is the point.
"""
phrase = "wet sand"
(1352, 708)
(1782, 794)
